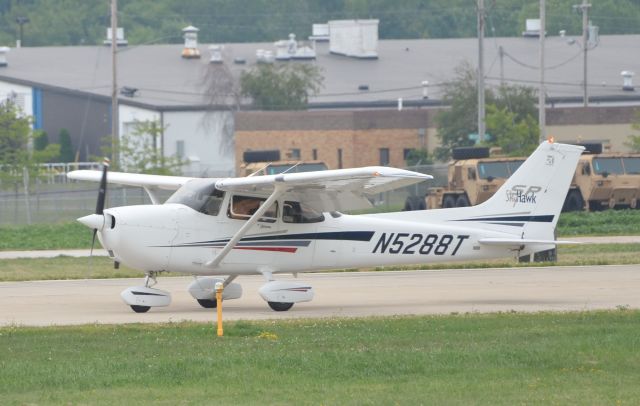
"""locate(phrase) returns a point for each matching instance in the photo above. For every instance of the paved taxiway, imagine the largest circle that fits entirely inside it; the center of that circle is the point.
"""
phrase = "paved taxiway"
(338, 294)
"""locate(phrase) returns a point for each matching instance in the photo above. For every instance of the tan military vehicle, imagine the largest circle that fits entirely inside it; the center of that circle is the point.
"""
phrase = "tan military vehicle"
(602, 180)
(605, 180)
(473, 178)
(267, 162)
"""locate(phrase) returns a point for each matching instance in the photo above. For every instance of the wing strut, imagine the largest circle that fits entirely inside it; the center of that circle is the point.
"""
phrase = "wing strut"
(278, 190)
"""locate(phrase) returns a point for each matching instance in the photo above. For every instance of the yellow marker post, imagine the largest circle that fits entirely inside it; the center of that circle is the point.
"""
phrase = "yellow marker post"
(219, 288)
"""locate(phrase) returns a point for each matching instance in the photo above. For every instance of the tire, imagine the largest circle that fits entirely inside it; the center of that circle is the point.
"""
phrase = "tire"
(414, 203)
(462, 201)
(448, 202)
(140, 309)
(280, 306)
(595, 206)
(208, 303)
(574, 201)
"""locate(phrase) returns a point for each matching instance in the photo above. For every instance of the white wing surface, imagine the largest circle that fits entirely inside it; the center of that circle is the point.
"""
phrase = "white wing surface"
(339, 189)
(133, 179)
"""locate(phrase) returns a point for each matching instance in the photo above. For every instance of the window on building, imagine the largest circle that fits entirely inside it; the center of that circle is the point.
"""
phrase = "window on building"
(180, 149)
(314, 153)
(406, 152)
(339, 158)
(294, 153)
(384, 156)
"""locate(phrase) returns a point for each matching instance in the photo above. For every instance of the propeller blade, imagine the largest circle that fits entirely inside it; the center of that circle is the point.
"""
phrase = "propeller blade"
(93, 241)
(102, 192)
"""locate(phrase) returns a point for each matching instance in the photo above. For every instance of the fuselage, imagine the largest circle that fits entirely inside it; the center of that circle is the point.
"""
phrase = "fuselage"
(177, 238)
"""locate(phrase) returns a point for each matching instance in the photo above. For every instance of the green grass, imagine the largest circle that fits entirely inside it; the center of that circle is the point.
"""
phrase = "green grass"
(45, 237)
(504, 359)
(63, 267)
(608, 222)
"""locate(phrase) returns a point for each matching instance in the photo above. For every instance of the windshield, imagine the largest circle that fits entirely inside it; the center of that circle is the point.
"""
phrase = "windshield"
(201, 195)
(497, 170)
(632, 165)
(610, 166)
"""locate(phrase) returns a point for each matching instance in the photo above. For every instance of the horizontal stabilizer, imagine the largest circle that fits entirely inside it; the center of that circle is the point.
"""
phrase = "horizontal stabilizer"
(518, 241)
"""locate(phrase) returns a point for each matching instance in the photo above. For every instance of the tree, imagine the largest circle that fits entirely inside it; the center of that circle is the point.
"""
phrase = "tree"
(461, 119)
(509, 116)
(15, 130)
(633, 140)
(66, 147)
(281, 86)
(418, 157)
(140, 151)
(514, 137)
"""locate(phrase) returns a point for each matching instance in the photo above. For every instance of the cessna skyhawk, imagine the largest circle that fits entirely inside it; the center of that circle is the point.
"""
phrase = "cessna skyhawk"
(219, 229)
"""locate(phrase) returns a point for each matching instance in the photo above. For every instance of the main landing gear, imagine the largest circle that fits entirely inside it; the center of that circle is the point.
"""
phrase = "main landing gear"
(279, 295)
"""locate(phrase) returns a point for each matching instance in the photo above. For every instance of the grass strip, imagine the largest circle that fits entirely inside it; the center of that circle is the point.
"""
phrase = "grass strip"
(498, 359)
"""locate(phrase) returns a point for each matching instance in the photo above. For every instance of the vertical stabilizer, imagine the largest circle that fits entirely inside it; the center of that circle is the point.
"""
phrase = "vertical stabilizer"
(535, 193)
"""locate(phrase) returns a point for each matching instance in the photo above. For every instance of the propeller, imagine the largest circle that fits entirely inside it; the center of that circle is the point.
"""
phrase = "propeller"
(96, 220)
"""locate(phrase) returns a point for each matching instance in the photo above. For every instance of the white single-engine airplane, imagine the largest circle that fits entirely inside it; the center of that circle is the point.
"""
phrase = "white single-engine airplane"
(291, 222)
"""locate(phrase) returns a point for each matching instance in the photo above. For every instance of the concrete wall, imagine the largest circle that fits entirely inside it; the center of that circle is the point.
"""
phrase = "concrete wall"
(21, 94)
(208, 141)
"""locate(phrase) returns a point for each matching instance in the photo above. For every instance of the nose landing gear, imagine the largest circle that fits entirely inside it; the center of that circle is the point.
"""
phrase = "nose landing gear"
(143, 298)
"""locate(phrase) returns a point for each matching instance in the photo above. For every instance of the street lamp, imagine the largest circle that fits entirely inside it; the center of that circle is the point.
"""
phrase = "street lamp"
(21, 21)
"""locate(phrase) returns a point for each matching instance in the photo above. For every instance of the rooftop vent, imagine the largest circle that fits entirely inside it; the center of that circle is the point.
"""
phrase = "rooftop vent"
(120, 40)
(3, 56)
(286, 50)
(264, 56)
(363, 87)
(320, 32)
(627, 78)
(355, 38)
(190, 50)
(128, 91)
(216, 53)
(532, 28)
(239, 61)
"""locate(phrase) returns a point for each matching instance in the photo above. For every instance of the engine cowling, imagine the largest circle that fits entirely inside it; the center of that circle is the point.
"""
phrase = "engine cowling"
(286, 292)
(205, 288)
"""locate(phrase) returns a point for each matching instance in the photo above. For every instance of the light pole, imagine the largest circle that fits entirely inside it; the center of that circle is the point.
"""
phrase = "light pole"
(21, 21)
(584, 9)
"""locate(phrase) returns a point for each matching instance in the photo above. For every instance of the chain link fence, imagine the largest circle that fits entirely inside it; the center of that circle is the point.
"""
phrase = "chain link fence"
(55, 199)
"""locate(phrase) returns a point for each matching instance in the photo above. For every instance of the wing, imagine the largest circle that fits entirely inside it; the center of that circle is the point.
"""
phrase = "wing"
(133, 179)
(150, 183)
(339, 189)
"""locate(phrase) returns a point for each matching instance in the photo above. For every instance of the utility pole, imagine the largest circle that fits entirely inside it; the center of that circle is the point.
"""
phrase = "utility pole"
(541, 90)
(501, 54)
(584, 8)
(480, 74)
(115, 122)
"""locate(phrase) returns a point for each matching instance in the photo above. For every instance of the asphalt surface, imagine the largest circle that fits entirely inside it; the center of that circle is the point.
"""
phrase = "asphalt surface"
(573, 288)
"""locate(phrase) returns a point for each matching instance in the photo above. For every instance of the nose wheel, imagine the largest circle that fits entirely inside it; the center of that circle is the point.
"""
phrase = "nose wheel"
(140, 309)
(280, 306)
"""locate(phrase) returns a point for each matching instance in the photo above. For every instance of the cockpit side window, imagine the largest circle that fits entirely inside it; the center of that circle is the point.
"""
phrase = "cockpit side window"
(296, 212)
(243, 207)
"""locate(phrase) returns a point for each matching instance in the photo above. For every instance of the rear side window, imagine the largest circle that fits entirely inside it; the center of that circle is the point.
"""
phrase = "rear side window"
(296, 212)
